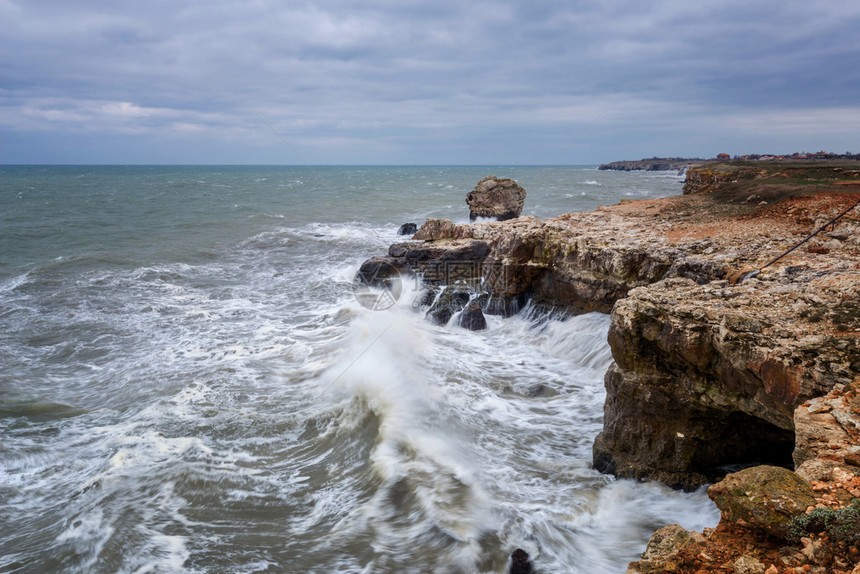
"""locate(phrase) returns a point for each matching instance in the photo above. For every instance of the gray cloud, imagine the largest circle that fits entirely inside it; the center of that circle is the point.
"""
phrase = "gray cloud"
(438, 82)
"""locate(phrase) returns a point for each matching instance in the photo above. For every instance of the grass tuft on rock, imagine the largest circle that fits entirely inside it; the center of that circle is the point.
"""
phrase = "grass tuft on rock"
(841, 524)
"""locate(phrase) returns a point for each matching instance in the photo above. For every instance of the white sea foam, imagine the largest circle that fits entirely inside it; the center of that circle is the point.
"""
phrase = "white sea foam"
(215, 399)
(383, 365)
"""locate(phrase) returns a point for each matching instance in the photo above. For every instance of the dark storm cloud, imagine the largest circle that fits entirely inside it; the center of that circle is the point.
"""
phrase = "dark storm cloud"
(441, 81)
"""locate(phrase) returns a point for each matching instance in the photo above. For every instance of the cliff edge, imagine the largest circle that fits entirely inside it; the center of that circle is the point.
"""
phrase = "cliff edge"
(707, 372)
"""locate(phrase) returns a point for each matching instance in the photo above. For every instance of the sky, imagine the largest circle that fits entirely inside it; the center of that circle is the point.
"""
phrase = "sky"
(424, 82)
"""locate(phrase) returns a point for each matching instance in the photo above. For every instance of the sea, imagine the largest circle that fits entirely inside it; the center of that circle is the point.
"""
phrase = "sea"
(188, 383)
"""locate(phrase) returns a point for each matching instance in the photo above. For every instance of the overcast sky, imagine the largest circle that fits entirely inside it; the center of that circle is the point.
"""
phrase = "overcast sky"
(415, 82)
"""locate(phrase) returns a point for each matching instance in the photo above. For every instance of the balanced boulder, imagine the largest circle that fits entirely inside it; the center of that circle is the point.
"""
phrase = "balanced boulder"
(494, 197)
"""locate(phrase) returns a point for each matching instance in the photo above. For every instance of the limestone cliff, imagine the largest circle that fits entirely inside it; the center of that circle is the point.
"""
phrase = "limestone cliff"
(707, 373)
(709, 376)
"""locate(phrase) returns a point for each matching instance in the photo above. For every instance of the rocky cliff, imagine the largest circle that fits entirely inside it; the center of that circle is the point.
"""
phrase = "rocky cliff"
(713, 371)
(708, 376)
(707, 373)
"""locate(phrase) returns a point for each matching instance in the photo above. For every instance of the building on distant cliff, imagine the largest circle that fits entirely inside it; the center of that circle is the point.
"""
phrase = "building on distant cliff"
(723, 156)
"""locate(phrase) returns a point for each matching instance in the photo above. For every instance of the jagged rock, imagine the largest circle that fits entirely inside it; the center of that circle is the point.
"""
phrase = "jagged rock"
(668, 540)
(439, 316)
(763, 498)
(748, 565)
(662, 546)
(439, 264)
(472, 317)
(408, 229)
(495, 197)
(434, 229)
(445, 304)
(378, 270)
(520, 563)
(564, 262)
(827, 431)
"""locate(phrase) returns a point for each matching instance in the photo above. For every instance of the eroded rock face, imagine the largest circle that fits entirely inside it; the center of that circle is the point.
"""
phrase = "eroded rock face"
(501, 198)
(710, 375)
(706, 178)
(827, 431)
(764, 498)
(582, 262)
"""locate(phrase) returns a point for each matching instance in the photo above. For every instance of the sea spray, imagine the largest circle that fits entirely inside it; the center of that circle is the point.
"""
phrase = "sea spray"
(429, 489)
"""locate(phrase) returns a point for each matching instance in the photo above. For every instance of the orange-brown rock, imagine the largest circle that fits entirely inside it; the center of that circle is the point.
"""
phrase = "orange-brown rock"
(827, 431)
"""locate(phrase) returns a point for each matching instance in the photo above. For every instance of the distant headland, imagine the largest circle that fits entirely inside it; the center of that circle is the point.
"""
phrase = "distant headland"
(681, 163)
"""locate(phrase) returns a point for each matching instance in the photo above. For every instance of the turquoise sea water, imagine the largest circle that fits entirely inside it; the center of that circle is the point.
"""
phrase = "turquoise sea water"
(188, 385)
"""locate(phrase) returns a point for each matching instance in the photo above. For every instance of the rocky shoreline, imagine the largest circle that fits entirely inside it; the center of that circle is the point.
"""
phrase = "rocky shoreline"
(710, 374)
(654, 164)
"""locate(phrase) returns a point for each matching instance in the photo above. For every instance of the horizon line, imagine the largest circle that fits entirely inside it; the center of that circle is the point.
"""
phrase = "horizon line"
(295, 165)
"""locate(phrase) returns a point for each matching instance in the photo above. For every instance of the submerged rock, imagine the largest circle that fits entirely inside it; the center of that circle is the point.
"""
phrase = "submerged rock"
(445, 304)
(439, 316)
(501, 198)
(520, 563)
(472, 317)
(408, 229)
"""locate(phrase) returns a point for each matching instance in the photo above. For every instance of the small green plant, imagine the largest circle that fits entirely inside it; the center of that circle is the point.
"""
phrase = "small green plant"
(842, 525)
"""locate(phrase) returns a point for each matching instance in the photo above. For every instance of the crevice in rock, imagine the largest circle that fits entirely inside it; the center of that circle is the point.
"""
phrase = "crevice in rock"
(739, 441)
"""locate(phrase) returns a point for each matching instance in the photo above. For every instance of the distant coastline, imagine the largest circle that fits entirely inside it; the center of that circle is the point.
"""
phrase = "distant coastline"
(681, 163)
(654, 164)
